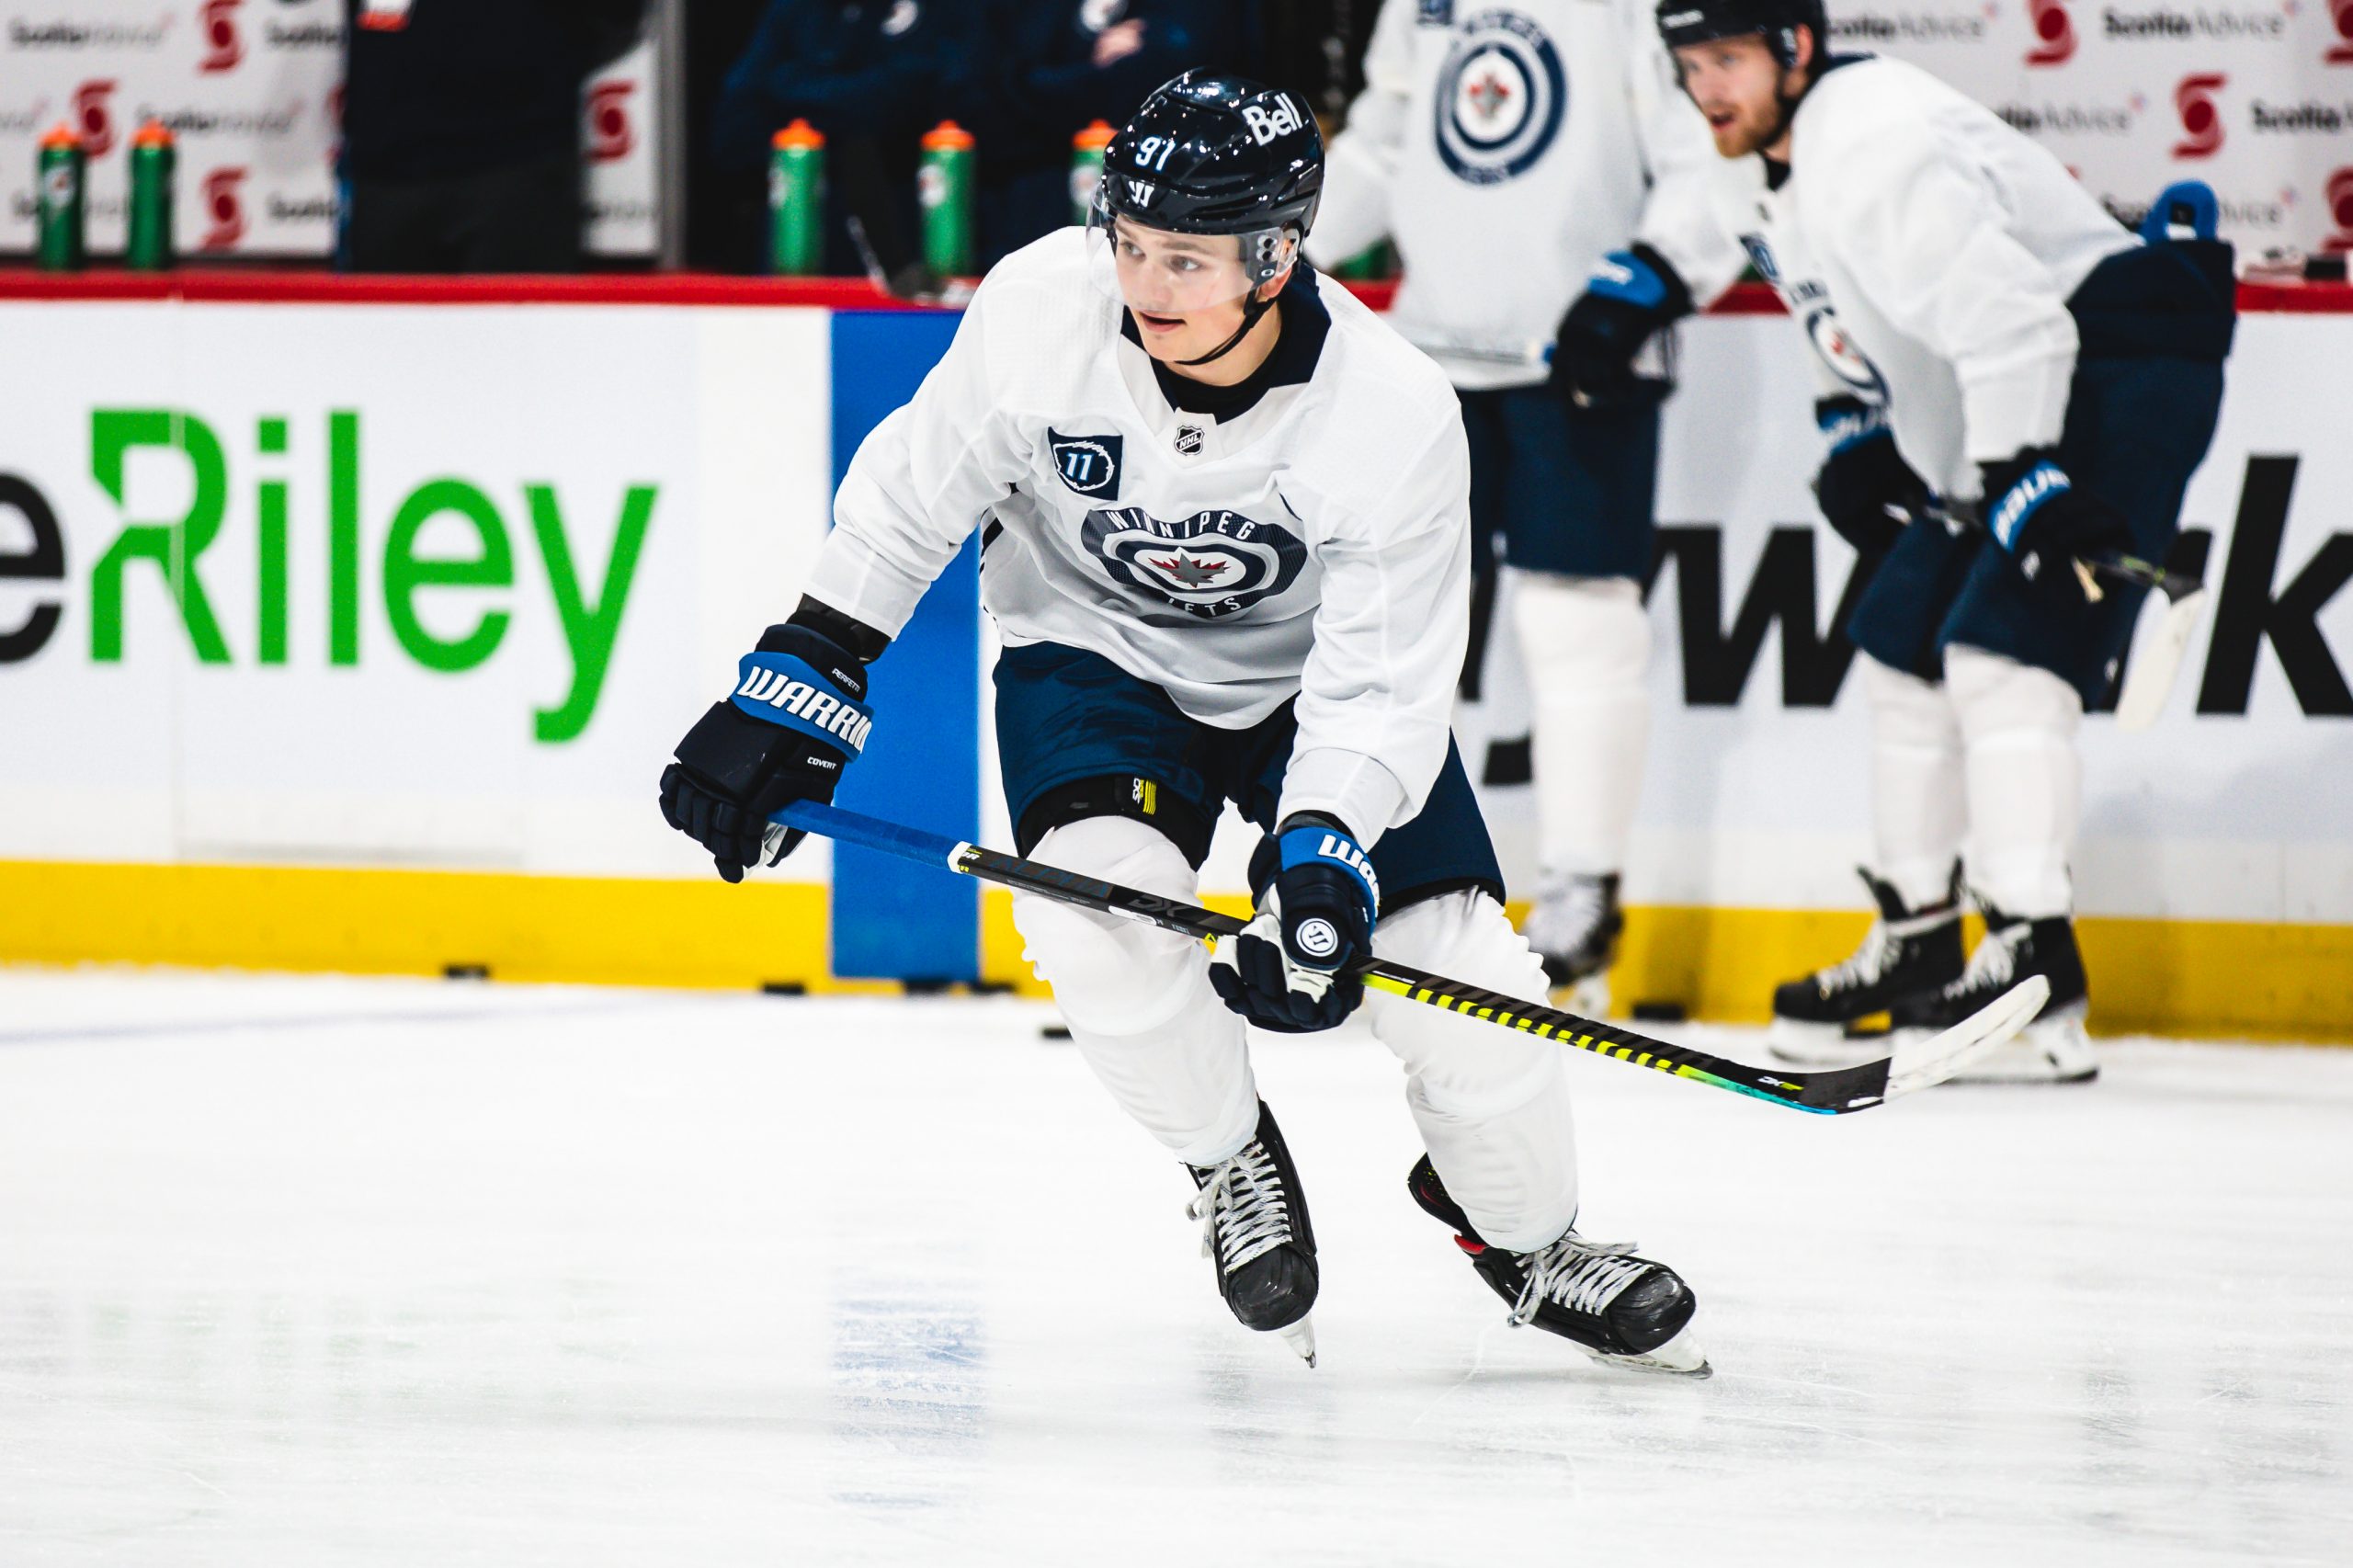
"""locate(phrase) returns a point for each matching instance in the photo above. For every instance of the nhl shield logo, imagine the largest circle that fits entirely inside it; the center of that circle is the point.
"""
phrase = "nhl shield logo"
(1188, 440)
(1088, 464)
(1209, 566)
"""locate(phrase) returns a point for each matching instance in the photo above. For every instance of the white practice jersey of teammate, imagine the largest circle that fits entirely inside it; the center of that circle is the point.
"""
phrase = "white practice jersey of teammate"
(1316, 545)
(1928, 250)
(1506, 150)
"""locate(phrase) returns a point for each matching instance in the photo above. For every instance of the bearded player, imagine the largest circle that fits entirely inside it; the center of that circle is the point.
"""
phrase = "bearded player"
(1991, 344)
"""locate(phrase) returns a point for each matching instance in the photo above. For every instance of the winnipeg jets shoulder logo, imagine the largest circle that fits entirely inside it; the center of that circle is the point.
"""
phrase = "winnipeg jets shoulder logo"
(1209, 565)
(1502, 95)
(1846, 362)
(1088, 464)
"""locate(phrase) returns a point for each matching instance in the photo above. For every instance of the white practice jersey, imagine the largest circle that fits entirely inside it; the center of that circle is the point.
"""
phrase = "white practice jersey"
(1506, 148)
(1314, 545)
(1928, 250)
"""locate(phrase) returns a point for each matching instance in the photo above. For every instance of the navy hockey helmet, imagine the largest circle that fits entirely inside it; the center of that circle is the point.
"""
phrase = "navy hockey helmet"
(1777, 21)
(1209, 154)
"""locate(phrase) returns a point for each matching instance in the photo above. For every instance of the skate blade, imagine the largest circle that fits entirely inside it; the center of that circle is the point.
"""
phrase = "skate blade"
(1679, 1357)
(1301, 1336)
(2048, 1050)
(1912, 1068)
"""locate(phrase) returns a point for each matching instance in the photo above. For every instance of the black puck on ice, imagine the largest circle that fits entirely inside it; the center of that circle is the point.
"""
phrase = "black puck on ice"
(1659, 1013)
(1053, 1032)
(465, 971)
(783, 988)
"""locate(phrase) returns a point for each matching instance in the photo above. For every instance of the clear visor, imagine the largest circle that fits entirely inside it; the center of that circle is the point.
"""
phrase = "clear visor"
(1160, 273)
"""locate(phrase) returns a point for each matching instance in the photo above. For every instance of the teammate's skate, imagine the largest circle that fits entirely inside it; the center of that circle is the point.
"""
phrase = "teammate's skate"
(2053, 1048)
(1619, 1309)
(1574, 927)
(1907, 953)
(1255, 1232)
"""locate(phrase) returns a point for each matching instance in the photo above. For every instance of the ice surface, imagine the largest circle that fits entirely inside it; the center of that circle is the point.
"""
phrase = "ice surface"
(300, 1271)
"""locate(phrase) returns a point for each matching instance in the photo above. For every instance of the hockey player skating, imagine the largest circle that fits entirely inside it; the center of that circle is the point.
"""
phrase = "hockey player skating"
(1988, 334)
(1544, 183)
(1225, 540)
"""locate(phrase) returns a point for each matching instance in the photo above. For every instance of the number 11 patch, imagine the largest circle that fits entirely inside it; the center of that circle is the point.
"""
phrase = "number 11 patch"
(1088, 464)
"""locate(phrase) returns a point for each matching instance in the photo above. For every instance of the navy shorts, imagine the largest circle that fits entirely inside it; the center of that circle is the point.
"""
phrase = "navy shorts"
(1567, 491)
(2138, 425)
(1078, 736)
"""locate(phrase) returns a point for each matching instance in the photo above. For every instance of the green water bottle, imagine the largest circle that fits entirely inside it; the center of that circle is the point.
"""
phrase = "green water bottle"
(152, 159)
(1087, 169)
(58, 200)
(944, 191)
(796, 201)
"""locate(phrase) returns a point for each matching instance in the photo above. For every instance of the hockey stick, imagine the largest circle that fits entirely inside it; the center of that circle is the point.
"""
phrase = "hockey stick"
(1832, 1093)
(2150, 672)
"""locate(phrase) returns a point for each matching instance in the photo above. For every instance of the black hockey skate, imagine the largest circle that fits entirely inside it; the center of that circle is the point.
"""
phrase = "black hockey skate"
(1619, 1309)
(1574, 928)
(1907, 952)
(1255, 1232)
(2054, 1047)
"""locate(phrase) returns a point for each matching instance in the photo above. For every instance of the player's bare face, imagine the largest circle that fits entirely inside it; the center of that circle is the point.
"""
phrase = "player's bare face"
(1185, 290)
(1738, 84)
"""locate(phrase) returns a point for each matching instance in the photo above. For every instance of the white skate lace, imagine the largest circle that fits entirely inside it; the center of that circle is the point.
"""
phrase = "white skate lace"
(1993, 963)
(1581, 1275)
(1247, 1194)
(1862, 967)
(1567, 909)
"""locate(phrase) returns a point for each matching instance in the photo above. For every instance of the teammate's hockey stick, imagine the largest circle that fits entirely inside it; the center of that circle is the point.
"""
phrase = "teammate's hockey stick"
(2150, 673)
(1832, 1093)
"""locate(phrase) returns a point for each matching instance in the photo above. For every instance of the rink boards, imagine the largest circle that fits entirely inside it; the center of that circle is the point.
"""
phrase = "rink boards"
(351, 630)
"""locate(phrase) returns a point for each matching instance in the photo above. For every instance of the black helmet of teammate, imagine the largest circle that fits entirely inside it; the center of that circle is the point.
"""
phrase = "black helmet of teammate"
(1209, 154)
(1697, 21)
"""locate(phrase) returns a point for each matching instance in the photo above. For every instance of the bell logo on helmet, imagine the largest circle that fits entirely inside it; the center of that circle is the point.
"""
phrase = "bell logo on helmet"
(1267, 125)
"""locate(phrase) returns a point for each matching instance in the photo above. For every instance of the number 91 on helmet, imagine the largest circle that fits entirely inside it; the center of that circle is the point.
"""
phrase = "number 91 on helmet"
(1208, 193)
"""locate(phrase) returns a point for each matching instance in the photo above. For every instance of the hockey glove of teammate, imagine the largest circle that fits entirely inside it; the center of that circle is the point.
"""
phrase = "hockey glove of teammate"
(1631, 294)
(1283, 972)
(2035, 512)
(797, 717)
(1865, 488)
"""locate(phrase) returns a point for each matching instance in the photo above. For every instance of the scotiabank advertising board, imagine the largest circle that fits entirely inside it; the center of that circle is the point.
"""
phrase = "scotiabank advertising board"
(251, 90)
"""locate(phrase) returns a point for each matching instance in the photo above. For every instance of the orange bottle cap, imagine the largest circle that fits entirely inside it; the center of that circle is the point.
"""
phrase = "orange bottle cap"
(947, 135)
(800, 134)
(1095, 137)
(62, 136)
(155, 134)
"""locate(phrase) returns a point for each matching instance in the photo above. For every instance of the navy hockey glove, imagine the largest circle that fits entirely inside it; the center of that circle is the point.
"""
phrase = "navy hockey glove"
(797, 717)
(1631, 294)
(1865, 488)
(1283, 972)
(2035, 512)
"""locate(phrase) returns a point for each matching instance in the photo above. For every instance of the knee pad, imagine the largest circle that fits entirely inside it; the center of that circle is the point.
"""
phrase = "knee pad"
(1581, 633)
(1112, 976)
(1994, 694)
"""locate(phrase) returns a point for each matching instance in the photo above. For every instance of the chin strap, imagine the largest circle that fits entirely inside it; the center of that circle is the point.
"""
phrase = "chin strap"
(1253, 310)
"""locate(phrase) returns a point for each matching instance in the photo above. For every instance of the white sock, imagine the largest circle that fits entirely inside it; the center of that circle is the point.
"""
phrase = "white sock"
(1586, 645)
(2026, 779)
(1919, 807)
(1492, 1104)
(1138, 999)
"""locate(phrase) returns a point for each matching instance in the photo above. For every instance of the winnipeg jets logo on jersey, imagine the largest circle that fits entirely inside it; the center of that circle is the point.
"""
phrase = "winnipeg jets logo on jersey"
(1088, 464)
(1211, 565)
(1846, 362)
(1501, 97)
